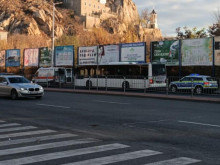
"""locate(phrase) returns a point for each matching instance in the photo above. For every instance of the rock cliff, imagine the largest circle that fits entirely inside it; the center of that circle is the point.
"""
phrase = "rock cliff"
(29, 17)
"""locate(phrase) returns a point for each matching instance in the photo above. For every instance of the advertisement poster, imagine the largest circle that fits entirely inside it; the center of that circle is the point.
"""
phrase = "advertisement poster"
(166, 52)
(31, 57)
(108, 54)
(87, 55)
(64, 55)
(133, 52)
(2, 58)
(197, 52)
(45, 57)
(13, 57)
(217, 51)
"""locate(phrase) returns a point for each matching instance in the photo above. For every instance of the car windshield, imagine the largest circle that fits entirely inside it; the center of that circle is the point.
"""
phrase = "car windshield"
(18, 80)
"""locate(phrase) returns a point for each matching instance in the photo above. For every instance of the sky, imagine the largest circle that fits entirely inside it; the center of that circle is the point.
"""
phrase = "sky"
(181, 13)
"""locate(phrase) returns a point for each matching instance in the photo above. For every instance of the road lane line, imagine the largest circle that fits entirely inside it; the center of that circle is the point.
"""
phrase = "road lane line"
(63, 154)
(176, 161)
(16, 129)
(116, 158)
(56, 106)
(36, 139)
(9, 125)
(203, 124)
(111, 102)
(46, 146)
(12, 135)
(1, 121)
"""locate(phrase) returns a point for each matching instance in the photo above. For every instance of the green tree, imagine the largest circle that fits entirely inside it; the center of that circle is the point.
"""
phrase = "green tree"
(214, 29)
(191, 33)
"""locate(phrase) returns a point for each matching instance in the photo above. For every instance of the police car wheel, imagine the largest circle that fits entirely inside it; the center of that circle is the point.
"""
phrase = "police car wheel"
(173, 89)
(198, 90)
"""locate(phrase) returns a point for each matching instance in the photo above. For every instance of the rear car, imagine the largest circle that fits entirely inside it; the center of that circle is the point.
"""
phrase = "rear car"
(15, 86)
(197, 83)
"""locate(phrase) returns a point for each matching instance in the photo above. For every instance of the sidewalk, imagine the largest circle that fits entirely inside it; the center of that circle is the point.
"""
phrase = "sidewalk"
(147, 95)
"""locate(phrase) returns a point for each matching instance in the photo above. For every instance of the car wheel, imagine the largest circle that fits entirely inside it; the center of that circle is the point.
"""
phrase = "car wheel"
(38, 97)
(173, 89)
(14, 94)
(198, 90)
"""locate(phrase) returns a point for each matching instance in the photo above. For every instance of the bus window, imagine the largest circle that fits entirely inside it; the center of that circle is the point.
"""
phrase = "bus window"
(158, 70)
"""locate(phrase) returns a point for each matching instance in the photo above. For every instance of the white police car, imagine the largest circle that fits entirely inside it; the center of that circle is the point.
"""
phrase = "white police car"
(198, 83)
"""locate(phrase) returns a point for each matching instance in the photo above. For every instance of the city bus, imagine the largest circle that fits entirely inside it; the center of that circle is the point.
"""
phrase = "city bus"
(122, 75)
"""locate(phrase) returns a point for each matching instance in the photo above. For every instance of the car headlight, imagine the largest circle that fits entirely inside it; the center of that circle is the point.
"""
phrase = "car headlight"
(41, 88)
(23, 89)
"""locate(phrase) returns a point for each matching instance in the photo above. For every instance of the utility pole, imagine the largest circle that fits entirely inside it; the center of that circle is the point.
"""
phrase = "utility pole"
(52, 59)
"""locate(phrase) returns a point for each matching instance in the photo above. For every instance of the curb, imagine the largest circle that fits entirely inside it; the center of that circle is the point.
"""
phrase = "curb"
(155, 96)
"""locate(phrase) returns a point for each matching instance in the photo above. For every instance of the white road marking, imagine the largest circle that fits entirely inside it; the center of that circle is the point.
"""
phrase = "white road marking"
(36, 139)
(56, 106)
(203, 124)
(9, 125)
(116, 158)
(17, 129)
(110, 102)
(176, 161)
(1, 121)
(46, 146)
(63, 154)
(25, 133)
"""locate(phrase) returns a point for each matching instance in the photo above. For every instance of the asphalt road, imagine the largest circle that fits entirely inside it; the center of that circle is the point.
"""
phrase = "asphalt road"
(139, 130)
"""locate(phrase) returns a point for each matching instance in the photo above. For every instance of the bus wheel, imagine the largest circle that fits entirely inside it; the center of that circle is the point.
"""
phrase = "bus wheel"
(125, 85)
(198, 90)
(88, 84)
(173, 89)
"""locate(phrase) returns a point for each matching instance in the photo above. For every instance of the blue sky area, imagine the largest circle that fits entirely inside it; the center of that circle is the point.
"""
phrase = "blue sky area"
(180, 13)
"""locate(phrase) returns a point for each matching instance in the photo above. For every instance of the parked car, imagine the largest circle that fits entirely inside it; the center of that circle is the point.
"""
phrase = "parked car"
(199, 83)
(16, 86)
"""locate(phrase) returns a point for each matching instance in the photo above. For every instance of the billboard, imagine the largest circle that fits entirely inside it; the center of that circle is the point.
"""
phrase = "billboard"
(197, 52)
(2, 58)
(31, 57)
(87, 55)
(217, 51)
(45, 57)
(108, 54)
(165, 52)
(133, 52)
(12, 57)
(64, 55)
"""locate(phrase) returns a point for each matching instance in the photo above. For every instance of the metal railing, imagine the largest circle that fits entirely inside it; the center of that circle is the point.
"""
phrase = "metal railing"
(138, 84)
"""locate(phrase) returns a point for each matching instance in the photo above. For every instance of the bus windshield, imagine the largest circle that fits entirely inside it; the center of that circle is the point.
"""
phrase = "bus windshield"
(158, 69)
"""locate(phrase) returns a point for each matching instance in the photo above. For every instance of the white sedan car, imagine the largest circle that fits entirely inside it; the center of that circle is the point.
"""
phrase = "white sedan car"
(17, 86)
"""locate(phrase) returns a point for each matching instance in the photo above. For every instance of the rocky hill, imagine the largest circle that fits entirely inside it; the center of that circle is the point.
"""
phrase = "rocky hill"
(29, 17)
(34, 17)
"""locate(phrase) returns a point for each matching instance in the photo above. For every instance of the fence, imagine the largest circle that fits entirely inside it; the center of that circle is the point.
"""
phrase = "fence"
(138, 84)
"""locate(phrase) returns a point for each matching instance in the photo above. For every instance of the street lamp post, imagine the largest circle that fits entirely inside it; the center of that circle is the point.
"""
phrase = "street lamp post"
(52, 59)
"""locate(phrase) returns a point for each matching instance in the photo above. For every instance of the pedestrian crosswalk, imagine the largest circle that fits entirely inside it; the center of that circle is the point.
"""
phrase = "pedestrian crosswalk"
(22, 144)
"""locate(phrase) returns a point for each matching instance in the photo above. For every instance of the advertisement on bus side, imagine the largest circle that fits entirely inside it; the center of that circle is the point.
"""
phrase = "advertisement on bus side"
(108, 54)
(166, 52)
(2, 58)
(133, 52)
(64, 55)
(12, 58)
(87, 55)
(31, 57)
(197, 52)
(217, 51)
